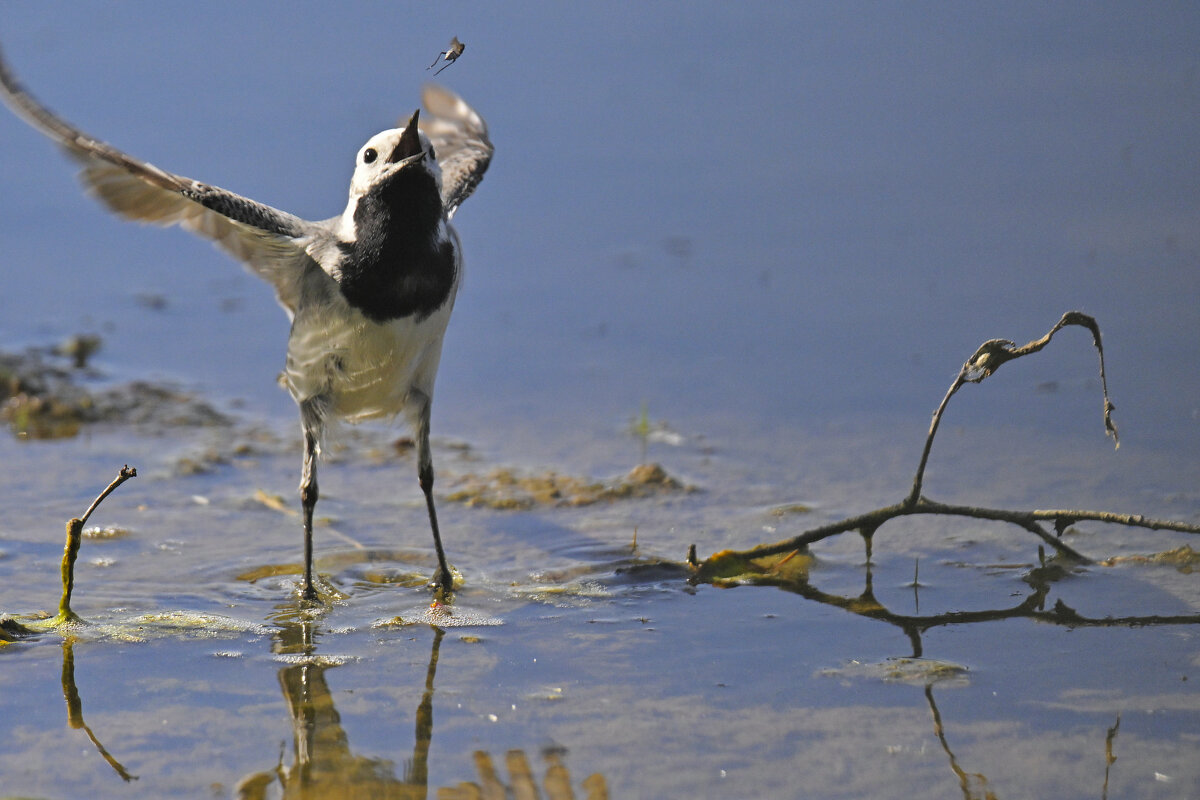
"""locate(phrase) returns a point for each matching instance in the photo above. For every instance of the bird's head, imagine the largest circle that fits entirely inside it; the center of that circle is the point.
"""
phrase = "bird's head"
(391, 152)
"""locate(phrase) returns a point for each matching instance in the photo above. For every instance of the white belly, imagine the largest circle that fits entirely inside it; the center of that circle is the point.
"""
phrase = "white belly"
(363, 370)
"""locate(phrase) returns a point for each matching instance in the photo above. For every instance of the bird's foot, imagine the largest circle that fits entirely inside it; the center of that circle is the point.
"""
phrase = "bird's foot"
(309, 597)
(442, 584)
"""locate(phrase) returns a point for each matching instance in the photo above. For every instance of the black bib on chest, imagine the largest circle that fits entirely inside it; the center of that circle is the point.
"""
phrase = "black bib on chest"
(395, 268)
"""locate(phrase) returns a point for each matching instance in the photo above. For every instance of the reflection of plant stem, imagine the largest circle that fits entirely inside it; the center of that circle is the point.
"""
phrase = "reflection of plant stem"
(71, 551)
(1109, 758)
(964, 777)
(1031, 607)
(75, 708)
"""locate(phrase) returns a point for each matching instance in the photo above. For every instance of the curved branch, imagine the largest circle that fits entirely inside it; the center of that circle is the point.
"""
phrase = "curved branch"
(994, 354)
(984, 362)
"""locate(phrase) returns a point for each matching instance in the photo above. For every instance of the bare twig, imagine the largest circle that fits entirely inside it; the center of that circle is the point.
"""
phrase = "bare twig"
(867, 524)
(71, 551)
(992, 355)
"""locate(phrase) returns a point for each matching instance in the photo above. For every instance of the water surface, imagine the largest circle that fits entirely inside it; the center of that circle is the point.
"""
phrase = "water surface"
(781, 229)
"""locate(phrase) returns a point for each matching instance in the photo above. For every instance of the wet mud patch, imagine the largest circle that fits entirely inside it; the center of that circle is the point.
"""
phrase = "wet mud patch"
(45, 394)
(506, 489)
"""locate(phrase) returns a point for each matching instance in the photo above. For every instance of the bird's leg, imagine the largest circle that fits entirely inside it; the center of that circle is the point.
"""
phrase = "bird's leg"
(310, 419)
(439, 58)
(442, 578)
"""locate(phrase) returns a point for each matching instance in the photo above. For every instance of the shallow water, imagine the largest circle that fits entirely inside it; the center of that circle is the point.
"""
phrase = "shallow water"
(199, 674)
(781, 229)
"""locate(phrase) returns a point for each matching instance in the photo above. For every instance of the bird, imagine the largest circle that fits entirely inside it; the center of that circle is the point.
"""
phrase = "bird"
(368, 292)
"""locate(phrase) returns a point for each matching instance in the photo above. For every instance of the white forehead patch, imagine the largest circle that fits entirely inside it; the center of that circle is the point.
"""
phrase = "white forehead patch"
(372, 160)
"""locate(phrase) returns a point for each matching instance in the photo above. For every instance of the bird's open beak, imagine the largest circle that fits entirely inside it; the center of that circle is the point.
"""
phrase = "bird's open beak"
(409, 144)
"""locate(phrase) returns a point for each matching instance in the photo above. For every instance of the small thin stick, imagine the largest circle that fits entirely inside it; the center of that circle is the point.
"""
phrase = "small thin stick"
(125, 474)
(71, 550)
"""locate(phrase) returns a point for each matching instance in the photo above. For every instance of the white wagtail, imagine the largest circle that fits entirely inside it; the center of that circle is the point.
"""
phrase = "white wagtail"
(369, 292)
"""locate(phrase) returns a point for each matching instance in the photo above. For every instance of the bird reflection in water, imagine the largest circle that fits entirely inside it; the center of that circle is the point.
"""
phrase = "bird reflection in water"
(323, 765)
(522, 783)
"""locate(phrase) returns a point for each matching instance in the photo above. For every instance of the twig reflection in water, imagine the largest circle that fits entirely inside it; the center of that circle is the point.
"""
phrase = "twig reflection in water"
(974, 785)
(916, 669)
(1040, 579)
(964, 777)
(75, 708)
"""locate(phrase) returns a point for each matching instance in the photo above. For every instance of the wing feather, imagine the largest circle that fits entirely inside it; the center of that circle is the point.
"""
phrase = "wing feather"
(268, 241)
(460, 139)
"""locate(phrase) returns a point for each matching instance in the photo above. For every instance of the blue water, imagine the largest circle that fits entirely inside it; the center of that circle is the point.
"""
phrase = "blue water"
(781, 228)
(798, 212)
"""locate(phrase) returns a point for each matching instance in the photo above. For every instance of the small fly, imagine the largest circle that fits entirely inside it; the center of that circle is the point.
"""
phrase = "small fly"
(451, 55)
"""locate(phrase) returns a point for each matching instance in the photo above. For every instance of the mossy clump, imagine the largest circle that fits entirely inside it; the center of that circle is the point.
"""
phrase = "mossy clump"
(729, 568)
(1183, 558)
(790, 508)
(42, 396)
(13, 631)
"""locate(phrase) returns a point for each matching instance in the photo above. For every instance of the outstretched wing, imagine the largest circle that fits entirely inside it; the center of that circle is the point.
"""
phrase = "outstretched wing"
(270, 242)
(460, 139)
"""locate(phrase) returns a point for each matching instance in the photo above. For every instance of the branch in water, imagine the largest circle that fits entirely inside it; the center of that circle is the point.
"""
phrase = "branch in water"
(71, 551)
(990, 356)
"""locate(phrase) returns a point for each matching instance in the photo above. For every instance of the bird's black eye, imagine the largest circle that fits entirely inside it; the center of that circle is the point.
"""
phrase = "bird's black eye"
(369, 155)
(432, 154)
